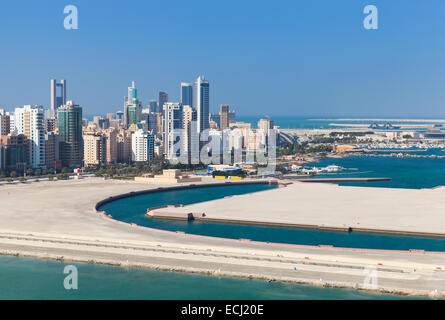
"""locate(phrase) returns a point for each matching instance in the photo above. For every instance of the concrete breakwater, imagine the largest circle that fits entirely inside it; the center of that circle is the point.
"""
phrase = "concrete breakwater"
(152, 213)
(284, 269)
(185, 187)
(404, 155)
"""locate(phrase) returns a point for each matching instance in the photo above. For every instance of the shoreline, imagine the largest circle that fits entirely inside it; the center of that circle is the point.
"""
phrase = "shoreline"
(69, 228)
(227, 274)
(263, 223)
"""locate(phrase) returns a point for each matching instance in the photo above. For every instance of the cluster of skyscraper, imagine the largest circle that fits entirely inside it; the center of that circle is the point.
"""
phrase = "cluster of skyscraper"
(35, 137)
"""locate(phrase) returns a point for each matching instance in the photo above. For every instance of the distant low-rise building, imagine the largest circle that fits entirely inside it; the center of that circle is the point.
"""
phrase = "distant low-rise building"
(168, 176)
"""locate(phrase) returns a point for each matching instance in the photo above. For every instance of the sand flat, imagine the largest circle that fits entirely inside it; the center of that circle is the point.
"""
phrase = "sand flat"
(329, 205)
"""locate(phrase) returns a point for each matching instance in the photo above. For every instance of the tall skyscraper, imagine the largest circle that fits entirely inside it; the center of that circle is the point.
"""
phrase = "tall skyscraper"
(132, 93)
(70, 134)
(31, 124)
(151, 120)
(162, 98)
(133, 107)
(187, 94)
(201, 103)
(57, 98)
(153, 105)
(132, 115)
(173, 132)
(224, 117)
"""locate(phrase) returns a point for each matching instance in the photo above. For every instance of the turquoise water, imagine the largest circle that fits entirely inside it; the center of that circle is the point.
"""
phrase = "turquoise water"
(314, 122)
(23, 278)
(132, 210)
(412, 173)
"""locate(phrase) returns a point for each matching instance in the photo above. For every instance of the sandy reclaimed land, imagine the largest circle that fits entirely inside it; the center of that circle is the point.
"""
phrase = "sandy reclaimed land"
(328, 205)
(57, 220)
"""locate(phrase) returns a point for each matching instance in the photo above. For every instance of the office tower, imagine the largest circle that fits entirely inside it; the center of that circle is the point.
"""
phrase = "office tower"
(201, 103)
(16, 151)
(110, 116)
(132, 93)
(70, 134)
(132, 115)
(162, 98)
(191, 138)
(173, 134)
(187, 94)
(142, 146)
(153, 105)
(153, 123)
(133, 106)
(5, 122)
(224, 117)
(94, 149)
(57, 98)
(232, 117)
(51, 150)
(151, 120)
(31, 124)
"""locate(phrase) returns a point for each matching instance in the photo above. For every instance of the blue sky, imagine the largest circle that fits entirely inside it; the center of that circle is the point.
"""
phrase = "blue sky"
(277, 57)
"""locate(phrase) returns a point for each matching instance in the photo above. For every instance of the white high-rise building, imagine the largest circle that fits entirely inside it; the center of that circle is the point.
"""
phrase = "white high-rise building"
(30, 122)
(201, 103)
(173, 130)
(11, 122)
(142, 146)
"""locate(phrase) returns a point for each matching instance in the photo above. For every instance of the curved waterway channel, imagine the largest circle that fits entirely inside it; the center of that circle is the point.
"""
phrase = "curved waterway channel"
(133, 209)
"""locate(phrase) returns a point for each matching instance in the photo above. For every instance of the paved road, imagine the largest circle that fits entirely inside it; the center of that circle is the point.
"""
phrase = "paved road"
(58, 219)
